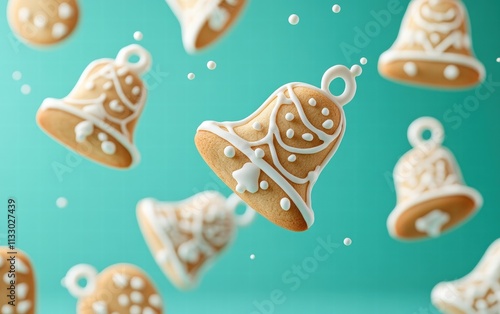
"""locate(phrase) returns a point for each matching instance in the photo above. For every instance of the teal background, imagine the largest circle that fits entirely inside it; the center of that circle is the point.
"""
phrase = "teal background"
(352, 197)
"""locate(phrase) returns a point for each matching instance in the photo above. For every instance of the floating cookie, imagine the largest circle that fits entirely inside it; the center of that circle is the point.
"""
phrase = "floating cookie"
(432, 196)
(17, 283)
(43, 22)
(433, 47)
(204, 21)
(476, 293)
(98, 118)
(119, 289)
(272, 158)
(185, 237)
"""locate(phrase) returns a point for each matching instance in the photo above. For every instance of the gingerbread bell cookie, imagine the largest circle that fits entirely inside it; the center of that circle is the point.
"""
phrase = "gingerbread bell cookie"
(186, 237)
(119, 289)
(98, 118)
(476, 293)
(272, 158)
(204, 21)
(17, 285)
(431, 194)
(434, 47)
(43, 22)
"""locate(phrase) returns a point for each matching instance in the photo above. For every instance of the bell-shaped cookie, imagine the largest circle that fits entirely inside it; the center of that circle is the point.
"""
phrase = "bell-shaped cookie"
(186, 237)
(272, 158)
(98, 118)
(434, 47)
(431, 194)
(119, 289)
(203, 22)
(17, 282)
(43, 22)
(476, 293)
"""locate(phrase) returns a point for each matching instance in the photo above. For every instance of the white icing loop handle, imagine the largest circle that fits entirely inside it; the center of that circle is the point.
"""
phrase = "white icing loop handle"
(419, 126)
(244, 219)
(81, 271)
(349, 77)
(140, 67)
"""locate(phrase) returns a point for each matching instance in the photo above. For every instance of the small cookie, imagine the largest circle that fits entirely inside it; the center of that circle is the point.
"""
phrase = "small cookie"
(185, 237)
(43, 22)
(204, 21)
(119, 289)
(432, 196)
(476, 293)
(98, 118)
(434, 47)
(272, 158)
(17, 283)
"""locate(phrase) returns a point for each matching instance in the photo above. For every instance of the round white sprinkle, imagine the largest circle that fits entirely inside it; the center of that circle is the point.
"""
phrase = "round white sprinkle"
(451, 72)
(259, 153)
(292, 158)
(16, 75)
(138, 36)
(155, 300)
(108, 148)
(102, 137)
(336, 8)
(264, 185)
(289, 116)
(285, 203)
(498, 59)
(257, 126)
(410, 69)
(312, 102)
(363, 61)
(229, 151)
(252, 256)
(328, 124)
(136, 297)
(325, 111)
(191, 76)
(136, 90)
(290, 133)
(137, 283)
(25, 89)
(135, 309)
(123, 300)
(211, 65)
(347, 241)
(61, 202)
(307, 137)
(293, 19)
(129, 80)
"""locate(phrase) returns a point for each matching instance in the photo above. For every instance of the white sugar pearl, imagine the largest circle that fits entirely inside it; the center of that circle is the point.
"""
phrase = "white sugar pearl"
(293, 19)
(191, 76)
(363, 61)
(25, 89)
(61, 202)
(498, 59)
(264, 185)
(229, 152)
(16, 75)
(312, 102)
(347, 241)
(211, 65)
(259, 153)
(285, 204)
(138, 36)
(336, 8)
(252, 256)
(289, 116)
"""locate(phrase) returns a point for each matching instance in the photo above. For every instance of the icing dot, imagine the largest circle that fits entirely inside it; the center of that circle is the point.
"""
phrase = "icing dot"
(211, 65)
(25, 89)
(22, 290)
(290, 133)
(229, 151)
(7, 309)
(16, 75)
(289, 116)
(498, 59)
(435, 38)
(336, 8)
(123, 300)
(292, 158)
(285, 203)
(325, 111)
(108, 147)
(264, 185)
(129, 80)
(307, 137)
(61, 202)
(40, 21)
(293, 19)
(136, 297)
(328, 124)
(135, 309)
(137, 283)
(410, 69)
(259, 153)
(102, 137)
(147, 310)
(136, 90)
(257, 126)
(155, 300)
(24, 14)
(191, 76)
(59, 30)
(107, 85)
(138, 36)
(252, 256)
(363, 61)
(65, 11)
(115, 106)
(451, 72)
(347, 241)
(89, 85)
(122, 71)
(312, 102)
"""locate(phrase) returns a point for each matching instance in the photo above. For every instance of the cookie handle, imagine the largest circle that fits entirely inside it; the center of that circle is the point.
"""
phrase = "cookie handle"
(419, 126)
(349, 77)
(244, 219)
(141, 66)
(82, 271)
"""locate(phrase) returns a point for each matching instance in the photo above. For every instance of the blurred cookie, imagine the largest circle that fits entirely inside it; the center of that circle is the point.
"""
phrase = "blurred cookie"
(17, 283)
(272, 158)
(119, 289)
(98, 118)
(433, 47)
(43, 22)
(204, 21)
